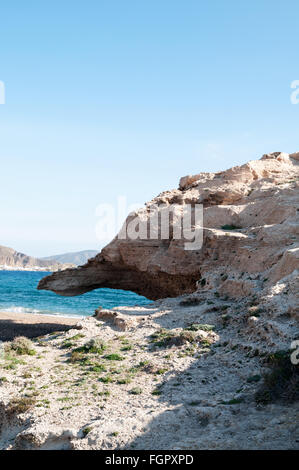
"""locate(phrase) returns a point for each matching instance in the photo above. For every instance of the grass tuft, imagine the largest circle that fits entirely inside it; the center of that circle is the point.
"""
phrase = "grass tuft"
(114, 357)
(200, 326)
(230, 227)
(86, 431)
(136, 391)
(94, 346)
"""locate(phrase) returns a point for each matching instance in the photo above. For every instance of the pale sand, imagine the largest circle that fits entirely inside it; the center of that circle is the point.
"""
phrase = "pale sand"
(31, 325)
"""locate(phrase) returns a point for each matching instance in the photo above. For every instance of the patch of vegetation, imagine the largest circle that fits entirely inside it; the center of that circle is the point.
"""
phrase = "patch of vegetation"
(281, 384)
(44, 404)
(230, 227)
(254, 378)
(206, 342)
(123, 339)
(86, 431)
(143, 363)
(75, 357)
(189, 301)
(63, 399)
(234, 401)
(123, 381)
(114, 357)
(136, 391)
(67, 345)
(188, 336)
(200, 326)
(165, 338)
(22, 346)
(115, 371)
(255, 311)
(20, 405)
(162, 337)
(11, 362)
(76, 337)
(98, 368)
(225, 319)
(161, 371)
(94, 346)
(106, 380)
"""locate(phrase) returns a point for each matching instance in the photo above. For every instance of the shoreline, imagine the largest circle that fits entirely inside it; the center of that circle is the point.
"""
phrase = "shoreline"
(32, 269)
(32, 325)
(43, 315)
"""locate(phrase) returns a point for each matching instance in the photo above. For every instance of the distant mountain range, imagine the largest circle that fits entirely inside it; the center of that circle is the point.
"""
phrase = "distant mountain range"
(77, 258)
(11, 259)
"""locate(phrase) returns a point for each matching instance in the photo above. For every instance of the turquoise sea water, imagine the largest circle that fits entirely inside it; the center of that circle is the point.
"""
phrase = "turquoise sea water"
(18, 293)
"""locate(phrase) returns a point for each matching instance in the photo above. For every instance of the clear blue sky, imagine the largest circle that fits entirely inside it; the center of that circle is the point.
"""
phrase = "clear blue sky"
(109, 98)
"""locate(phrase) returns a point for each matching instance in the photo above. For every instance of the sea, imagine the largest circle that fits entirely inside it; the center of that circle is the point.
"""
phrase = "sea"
(19, 294)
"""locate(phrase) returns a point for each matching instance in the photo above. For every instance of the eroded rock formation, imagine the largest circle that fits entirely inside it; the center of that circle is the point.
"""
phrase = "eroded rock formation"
(250, 226)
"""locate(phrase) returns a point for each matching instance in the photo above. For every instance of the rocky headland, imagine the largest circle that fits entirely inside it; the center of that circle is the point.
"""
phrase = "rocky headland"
(250, 229)
(12, 260)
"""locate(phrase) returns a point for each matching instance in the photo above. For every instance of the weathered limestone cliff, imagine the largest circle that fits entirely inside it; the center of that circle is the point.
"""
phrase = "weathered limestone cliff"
(250, 225)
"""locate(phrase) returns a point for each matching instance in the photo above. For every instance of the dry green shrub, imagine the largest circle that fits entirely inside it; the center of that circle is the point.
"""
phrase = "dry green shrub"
(281, 384)
(22, 346)
(20, 405)
(94, 346)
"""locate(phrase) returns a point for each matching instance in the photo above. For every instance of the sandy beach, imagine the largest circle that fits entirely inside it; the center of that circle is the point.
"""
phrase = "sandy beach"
(31, 325)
